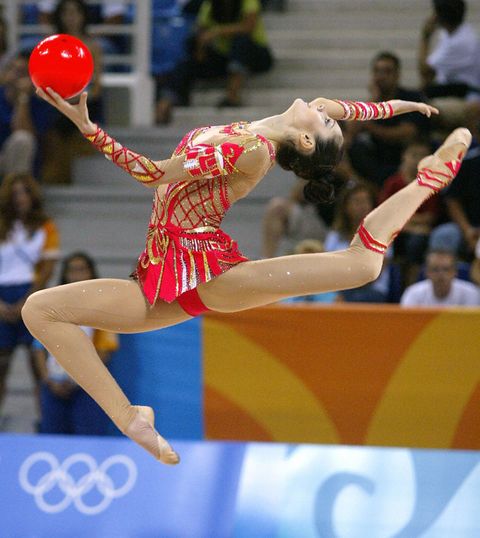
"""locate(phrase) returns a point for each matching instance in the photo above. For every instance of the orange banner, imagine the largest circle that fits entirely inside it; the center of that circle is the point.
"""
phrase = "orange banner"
(344, 375)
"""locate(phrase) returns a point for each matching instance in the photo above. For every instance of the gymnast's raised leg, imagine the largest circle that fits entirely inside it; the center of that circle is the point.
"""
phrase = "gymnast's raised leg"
(261, 282)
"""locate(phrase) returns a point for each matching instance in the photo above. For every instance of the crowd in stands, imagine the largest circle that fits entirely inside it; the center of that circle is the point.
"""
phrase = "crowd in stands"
(431, 261)
(229, 39)
(382, 156)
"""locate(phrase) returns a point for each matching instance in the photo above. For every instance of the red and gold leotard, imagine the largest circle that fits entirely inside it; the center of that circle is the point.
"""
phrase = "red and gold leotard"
(185, 245)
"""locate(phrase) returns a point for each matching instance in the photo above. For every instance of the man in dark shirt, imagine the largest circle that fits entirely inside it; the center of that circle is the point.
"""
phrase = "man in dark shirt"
(376, 147)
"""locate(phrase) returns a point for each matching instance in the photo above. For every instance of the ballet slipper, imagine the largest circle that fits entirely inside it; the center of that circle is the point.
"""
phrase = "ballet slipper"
(438, 170)
(142, 430)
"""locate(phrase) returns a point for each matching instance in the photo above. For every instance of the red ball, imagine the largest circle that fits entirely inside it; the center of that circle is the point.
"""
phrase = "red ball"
(61, 62)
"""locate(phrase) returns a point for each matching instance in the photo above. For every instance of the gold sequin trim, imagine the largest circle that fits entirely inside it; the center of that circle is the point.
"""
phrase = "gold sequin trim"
(201, 229)
(206, 266)
(192, 269)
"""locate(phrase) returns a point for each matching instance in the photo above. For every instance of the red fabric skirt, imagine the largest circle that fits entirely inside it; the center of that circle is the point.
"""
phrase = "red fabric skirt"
(176, 260)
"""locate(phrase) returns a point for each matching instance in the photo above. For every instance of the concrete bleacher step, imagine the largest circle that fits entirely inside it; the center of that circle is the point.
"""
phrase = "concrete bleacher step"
(331, 18)
(346, 7)
(107, 223)
(322, 40)
(279, 100)
(290, 57)
(322, 76)
(378, 13)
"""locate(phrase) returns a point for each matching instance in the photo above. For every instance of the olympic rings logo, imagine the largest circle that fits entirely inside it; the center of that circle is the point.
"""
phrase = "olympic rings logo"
(97, 476)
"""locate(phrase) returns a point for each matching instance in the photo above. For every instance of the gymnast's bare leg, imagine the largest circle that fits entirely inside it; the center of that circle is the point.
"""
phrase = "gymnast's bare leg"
(54, 315)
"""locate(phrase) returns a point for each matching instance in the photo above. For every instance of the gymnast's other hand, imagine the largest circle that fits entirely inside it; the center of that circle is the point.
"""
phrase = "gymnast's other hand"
(77, 113)
(404, 107)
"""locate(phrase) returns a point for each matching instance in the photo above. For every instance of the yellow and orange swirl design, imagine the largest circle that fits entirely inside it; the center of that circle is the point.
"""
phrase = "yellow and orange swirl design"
(344, 375)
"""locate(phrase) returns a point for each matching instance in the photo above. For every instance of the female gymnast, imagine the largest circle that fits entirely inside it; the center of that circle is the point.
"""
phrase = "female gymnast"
(190, 265)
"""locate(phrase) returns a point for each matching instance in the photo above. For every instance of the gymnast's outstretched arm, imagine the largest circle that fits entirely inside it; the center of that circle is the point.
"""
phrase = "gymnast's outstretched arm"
(364, 111)
(200, 161)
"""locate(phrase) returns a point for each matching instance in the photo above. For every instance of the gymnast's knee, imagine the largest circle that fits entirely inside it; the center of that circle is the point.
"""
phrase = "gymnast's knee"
(35, 309)
(367, 264)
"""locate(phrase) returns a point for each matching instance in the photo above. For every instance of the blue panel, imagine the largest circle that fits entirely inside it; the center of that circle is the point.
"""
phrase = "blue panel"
(346, 492)
(54, 486)
(163, 369)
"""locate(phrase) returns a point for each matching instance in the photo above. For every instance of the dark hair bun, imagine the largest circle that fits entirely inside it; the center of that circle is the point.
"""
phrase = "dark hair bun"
(321, 189)
(317, 168)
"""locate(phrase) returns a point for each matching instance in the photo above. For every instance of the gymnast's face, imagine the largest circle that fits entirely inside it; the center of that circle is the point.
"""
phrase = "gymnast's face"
(311, 122)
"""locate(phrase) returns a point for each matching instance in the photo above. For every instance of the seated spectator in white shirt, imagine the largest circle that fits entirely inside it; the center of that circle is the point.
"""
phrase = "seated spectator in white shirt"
(451, 68)
(441, 288)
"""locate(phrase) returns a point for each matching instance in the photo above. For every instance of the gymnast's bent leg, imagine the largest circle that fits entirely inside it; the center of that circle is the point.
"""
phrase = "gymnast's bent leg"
(262, 282)
(54, 317)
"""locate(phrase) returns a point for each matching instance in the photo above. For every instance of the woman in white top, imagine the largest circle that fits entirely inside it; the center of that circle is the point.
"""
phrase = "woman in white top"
(65, 407)
(29, 247)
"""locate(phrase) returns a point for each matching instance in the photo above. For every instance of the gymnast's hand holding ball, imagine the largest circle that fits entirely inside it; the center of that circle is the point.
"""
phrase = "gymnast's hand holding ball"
(61, 67)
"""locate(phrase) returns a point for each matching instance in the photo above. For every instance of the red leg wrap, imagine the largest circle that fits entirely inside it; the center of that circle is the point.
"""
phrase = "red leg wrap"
(369, 242)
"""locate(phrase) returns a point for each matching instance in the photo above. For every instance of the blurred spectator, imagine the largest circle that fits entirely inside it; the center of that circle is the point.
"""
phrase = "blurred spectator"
(230, 40)
(111, 12)
(289, 220)
(65, 407)
(24, 118)
(463, 207)
(3, 46)
(441, 288)
(412, 242)
(108, 12)
(29, 248)
(353, 205)
(311, 246)
(172, 25)
(451, 68)
(71, 17)
(64, 140)
(376, 147)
